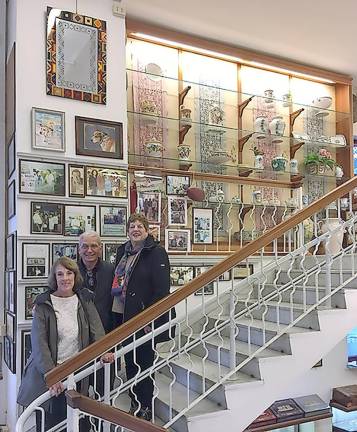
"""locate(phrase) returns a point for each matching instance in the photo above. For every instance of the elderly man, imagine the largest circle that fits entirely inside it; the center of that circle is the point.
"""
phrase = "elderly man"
(97, 276)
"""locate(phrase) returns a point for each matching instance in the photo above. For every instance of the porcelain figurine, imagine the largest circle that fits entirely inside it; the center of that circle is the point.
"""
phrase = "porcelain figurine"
(257, 197)
(294, 166)
(338, 172)
(259, 162)
(185, 115)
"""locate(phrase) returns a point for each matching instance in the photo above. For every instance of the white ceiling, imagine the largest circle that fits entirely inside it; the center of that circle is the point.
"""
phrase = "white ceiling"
(320, 33)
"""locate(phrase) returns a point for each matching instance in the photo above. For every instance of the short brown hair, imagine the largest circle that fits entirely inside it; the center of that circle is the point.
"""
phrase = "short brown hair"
(69, 264)
(140, 218)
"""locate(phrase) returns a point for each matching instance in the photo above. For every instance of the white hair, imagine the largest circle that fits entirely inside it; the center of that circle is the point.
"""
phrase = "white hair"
(90, 234)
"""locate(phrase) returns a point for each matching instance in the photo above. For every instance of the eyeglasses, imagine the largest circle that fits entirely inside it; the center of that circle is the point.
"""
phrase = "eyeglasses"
(86, 246)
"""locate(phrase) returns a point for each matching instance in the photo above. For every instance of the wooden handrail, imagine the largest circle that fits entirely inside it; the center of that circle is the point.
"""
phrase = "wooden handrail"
(148, 315)
(109, 413)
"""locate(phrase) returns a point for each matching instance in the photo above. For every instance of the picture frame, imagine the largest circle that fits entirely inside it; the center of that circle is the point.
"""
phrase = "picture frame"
(10, 291)
(10, 251)
(35, 260)
(76, 181)
(106, 182)
(177, 210)
(147, 182)
(10, 95)
(241, 271)
(110, 252)
(26, 348)
(10, 320)
(177, 185)
(113, 220)
(100, 138)
(46, 218)
(177, 240)
(42, 178)
(11, 200)
(10, 354)
(155, 230)
(226, 276)
(11, 157)
(202, 225)
(76, 56)
(207, 289)
(48, 129)
(31, 292)
(181, 275)
(69, 250)
(149, 204)
(79, 219)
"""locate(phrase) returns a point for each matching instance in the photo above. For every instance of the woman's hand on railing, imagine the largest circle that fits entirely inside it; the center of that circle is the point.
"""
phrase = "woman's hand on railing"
(107, 358)
(56, 389)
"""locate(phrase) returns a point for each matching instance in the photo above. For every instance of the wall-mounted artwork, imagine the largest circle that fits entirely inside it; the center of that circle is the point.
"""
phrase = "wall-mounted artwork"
(35, 260)
(43, 178)
(106, 182)
(48, 129)
(76, 56)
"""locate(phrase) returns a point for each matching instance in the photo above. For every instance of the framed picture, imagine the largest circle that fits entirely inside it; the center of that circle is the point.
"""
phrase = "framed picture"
(69, 250)
(10, 263)
(79, 219)
(202, 225)
(101, 138)
(10, 354)
(177, 240)
(10, 291)
(76, 180)
(226, 276)
(177, 210)
(26, 348)
(35, 260)
(46, 218)
(207, 289)
(106, 182)
(149, 204)
(154, 230)
(10, 326)
(31, 292)
(48, 129)
(177, 185)
(241, 271)
(148, 183)
(11, 157)
(180, 275)
(11, 200)
(113, 221)
(10, 96)
(76, 56)
(110, 252)
(42, 178)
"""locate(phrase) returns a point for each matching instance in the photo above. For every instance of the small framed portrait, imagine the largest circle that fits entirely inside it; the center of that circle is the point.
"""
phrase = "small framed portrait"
(10, 354)
(10, 320)
(110, 252)
(31, 292)
(99, 138)
(35, 260)
(149, 204)
(10, 263)
(241, 271)
(207, 289)
(76, 181)
(154, 230)
(177, 240)
(177, 210)
(46, 218)
(11, 157)
(112, 221)
(106, 182)
(48, 130)
(42, 178)
(226, 276)
(11, 200)
(25, 348)
(181, 275)
(10, 291)
(177, 185)
(202, 225)
(79, 219)
(69, 250)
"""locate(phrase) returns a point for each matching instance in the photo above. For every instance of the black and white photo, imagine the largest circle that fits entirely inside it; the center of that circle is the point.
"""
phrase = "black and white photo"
(35, 260)
(79, 219)
(112, 221)
(202, 225)
(207, 289)
(177, 210)
(149, 203)
(46, 218)
(181, 275)
(42, 178)
(31, 292)
(69, 250)
(177, 240)
(76, 180)
(177, 185)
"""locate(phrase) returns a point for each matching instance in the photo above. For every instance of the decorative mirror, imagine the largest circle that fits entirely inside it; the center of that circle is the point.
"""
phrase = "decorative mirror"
(154, 71)
(76, 56)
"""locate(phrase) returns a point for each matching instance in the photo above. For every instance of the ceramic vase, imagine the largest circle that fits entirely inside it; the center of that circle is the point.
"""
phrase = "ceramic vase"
(153, 149)
(287, 100)
(258, 162)
(257, 197)
(338, 172)
(261, 126)
(183, 152)
(277, 126)
(294, 166)
(279, 163)
(334, 243)
(185, 115)
(269, 94)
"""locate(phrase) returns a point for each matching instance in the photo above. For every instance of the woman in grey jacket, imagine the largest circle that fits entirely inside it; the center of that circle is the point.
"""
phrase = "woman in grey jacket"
(65, 321)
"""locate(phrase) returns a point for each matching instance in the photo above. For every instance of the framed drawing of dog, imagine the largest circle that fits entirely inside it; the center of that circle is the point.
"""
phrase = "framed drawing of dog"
(102, 138)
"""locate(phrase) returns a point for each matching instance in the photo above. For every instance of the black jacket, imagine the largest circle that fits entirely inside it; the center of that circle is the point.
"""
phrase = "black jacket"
(103, 299)
(148, 283)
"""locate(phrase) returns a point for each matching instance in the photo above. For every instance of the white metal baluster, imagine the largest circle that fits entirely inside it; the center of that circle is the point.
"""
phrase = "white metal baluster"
(106, 399)
(276, 278)
(350, 231)
(241, 224)
(232, 327)
(341, 256)
(219, 226)
(328, 265)
(218, 332)
(230, 227)
(72, 413)
(188, 370)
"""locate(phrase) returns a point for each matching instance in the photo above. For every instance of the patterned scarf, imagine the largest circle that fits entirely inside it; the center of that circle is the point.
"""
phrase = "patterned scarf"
(122, 274)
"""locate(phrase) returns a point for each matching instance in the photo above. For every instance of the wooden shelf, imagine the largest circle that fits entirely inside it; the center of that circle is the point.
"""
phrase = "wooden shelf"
(342, 407)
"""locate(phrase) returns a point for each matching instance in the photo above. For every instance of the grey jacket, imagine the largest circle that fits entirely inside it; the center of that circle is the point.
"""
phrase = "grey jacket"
(44, 340)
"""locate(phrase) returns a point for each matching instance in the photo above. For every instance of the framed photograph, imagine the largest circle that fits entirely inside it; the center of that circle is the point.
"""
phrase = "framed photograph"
(154, 230)
(79, 219)
(113, 221)
(181, 275)
(25, 348)
(10, 291)
(202, 225)
(31, 292)
(46, 218)
(42, 178)
(10, 354)
(76, 56)
(10, 263)
(35, 260)
(149, 203)
(208, 289)
(69, 250)
(106, 182)
(226, 276)
(110, 252)
(48, 129)
(10, 320)
(11, 200)
(101, 138)
(177, 240)
(11, 157)
(177, 210)
(76, 181)
(241, 271)
(148, 183)
(177, 185)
